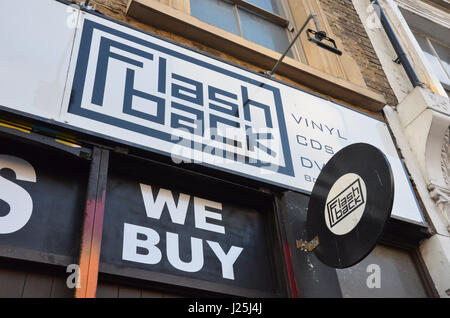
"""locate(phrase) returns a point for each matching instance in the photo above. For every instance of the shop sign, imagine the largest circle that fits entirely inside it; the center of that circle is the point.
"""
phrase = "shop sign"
(169, 236)
(137, 89)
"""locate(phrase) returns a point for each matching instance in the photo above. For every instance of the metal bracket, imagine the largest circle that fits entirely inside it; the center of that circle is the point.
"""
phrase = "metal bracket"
(121, 150)
(313, 16)
(308, 246)
(318, 38)
(290, 27)
(86, 5)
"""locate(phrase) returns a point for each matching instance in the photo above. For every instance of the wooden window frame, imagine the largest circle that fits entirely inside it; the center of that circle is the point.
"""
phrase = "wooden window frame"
(267, 14)
(430, 41)
(407, 236)
(286, 23)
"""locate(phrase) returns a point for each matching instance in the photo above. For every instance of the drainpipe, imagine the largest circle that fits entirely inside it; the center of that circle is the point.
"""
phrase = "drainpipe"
(401, 55)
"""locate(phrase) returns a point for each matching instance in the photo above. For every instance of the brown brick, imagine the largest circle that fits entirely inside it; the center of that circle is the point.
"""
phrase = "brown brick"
(346, 25)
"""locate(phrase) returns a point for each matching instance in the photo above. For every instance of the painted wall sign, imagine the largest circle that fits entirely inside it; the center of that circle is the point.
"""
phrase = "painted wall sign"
(40, 212)
(143, 90)
(165, 235)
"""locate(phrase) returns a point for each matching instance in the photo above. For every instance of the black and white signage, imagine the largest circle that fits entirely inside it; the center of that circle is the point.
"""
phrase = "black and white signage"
(170, 236)
(350, 205)
(139, 89)
(180, 103)
(345, 203)
(42, 196)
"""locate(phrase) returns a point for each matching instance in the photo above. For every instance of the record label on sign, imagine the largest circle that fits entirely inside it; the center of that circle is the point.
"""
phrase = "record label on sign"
(345, 203)
(350, 205)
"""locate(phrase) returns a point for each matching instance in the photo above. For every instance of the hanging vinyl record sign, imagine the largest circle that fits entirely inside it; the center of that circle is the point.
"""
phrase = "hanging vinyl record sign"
(350, 204)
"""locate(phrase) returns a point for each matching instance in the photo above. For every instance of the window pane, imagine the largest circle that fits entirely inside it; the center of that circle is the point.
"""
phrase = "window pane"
(216, 12)
(273, 6)
(263, 32)
(444, 55)
(432, 59)
(398, 276)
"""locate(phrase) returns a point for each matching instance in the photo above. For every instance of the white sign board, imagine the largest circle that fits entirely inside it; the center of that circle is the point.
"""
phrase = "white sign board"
(140, 89)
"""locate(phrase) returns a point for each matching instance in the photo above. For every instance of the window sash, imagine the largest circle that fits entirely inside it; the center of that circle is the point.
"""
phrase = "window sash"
(244, 12)
(440, 70)
(260, 11)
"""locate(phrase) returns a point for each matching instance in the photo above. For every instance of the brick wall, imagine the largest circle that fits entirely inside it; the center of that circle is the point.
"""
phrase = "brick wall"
(345, 22)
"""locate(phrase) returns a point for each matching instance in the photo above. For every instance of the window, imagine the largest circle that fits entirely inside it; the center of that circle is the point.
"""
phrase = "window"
(386, 272)
(261, 21)
(438, 55)
(431, 32)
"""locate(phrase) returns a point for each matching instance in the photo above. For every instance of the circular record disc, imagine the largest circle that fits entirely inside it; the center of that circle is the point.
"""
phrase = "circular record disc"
(350, 205)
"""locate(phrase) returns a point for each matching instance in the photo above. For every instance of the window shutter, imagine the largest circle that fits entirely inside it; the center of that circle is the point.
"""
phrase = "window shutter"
(344, 66)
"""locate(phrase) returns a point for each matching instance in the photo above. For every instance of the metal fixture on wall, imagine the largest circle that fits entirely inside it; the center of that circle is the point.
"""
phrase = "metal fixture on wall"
(316, 37)
(86, 5)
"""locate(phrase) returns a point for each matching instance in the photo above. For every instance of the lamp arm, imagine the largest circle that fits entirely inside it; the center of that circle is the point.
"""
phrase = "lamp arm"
(313, 16)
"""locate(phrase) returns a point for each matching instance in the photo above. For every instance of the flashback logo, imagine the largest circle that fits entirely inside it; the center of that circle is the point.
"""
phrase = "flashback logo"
(345, 204)
(183, 104)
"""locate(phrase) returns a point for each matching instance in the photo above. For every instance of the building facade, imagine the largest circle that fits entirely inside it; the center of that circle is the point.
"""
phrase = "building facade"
(147, 152)
(422, 135)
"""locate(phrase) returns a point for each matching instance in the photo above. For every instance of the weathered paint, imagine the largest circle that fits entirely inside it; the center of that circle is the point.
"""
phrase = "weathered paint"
(93, 226)
(290, 270)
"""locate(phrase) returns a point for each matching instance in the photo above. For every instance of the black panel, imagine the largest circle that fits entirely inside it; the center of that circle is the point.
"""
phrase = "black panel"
(245, 226)
(52, 234)
(312, 277)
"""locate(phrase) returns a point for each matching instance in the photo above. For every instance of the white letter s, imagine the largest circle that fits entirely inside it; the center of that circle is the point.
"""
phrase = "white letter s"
(18, 199)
